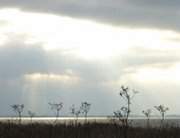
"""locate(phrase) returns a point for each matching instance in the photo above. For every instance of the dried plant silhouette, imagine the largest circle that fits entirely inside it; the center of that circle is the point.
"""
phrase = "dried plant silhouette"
(75, 112)
(57, 107)
(147, 114)
(162, 110)
(31, 114)
(85, 107)
(121, 115)
(18, 109)
(120, 128)
(90, 129)
(127, 95)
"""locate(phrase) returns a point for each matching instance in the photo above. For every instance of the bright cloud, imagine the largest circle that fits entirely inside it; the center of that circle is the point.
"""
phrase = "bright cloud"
(83, 38)
(67, 79)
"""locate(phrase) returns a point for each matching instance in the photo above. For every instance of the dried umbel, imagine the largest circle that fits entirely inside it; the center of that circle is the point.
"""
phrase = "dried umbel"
(127, 95)
(162, 110)
(75, 112)
(85, 107)
(31, 114)
(121, 115)
(147, 113)
(18, 109)
(57, 107)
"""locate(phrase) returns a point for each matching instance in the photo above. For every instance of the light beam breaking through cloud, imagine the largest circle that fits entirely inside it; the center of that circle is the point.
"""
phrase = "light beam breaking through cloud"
(61, 55)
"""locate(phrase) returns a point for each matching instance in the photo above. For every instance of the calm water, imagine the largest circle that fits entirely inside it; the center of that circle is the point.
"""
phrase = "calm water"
(136, 121)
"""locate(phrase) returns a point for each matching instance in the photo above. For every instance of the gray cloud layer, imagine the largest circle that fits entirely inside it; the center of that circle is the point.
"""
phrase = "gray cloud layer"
(135, 13)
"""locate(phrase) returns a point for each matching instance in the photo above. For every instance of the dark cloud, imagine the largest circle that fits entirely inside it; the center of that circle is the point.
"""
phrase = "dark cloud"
(139, 13)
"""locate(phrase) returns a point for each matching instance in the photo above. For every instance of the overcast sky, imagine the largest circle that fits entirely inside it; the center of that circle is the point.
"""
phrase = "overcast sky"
(83, 50)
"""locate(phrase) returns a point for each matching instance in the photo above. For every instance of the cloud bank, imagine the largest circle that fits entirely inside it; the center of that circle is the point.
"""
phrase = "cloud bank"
(140, 13)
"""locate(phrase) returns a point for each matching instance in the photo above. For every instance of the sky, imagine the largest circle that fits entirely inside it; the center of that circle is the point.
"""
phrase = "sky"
(72, 51)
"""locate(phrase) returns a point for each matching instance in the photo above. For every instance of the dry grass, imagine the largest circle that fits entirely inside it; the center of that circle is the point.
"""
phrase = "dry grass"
(88, 130)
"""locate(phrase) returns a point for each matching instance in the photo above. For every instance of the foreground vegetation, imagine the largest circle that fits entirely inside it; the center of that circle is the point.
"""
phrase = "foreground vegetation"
(118, 127)
(87, 130)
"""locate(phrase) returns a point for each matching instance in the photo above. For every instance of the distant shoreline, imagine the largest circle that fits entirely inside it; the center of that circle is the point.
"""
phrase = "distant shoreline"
(135, 122)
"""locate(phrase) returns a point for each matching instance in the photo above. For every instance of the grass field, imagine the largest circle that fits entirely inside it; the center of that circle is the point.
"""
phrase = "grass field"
(88, 130)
